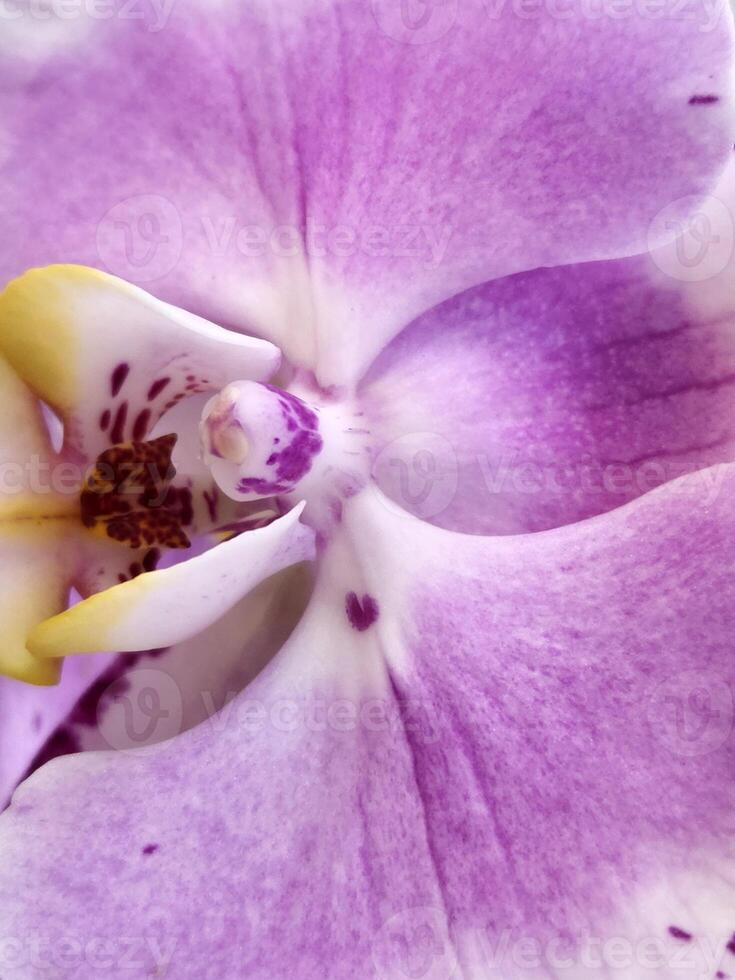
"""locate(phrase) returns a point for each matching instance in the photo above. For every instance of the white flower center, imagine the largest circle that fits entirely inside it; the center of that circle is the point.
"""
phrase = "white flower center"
(261, 441)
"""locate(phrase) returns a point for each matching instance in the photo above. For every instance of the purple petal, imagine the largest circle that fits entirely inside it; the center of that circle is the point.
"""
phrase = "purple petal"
(30, 716)
(259, 161)
(558, 394)
(531, 743)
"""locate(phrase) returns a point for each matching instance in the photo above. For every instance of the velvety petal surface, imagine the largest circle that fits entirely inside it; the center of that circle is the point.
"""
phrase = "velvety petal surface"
(110, 359)
(325, 173)
(494, 767)
(553, 395)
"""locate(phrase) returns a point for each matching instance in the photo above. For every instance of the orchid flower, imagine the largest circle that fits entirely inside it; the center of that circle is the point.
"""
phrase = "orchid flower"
(434, 424)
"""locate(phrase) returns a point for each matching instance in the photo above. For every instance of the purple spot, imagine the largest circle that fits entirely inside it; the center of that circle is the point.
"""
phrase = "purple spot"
(295, 459)
(150, 849)
(157, 387)
(105, 419)
(678, 933)
(361, 613)
(117, 379)
(140, 426)
(294, 462)
(731, 945)
(704, 99)
(118, 426)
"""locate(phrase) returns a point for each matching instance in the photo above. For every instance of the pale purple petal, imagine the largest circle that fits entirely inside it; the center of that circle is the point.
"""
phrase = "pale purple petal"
(325, 173)
(554, 395)
(532, 746)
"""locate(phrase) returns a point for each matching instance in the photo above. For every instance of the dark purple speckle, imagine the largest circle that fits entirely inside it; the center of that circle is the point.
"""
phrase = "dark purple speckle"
(361, 613)
(118, 426)
(105, 419)
(678, 933)
(117, 378)
(704, 99)
(157, 387)
(731, 945)
(150, 849)
(140, 426)
(294, 460)
(266, 488)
